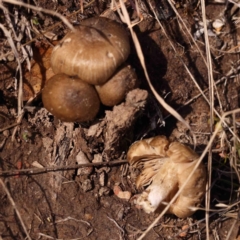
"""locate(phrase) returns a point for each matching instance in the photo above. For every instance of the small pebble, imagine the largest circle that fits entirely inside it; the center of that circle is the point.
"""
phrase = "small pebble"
(88, 216)
(82, 159)
(102, 179)
(87, 185)
(126, 195)
(6, 133)
(185, 228)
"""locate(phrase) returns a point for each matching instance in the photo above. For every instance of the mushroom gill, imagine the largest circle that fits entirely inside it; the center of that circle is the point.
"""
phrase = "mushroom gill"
(147, 155)
(165, 173)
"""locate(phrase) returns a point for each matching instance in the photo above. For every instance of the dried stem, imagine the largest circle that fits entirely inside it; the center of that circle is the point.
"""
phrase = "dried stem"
(59, 168)
(15, 208)
(39, 9)
(20, 84)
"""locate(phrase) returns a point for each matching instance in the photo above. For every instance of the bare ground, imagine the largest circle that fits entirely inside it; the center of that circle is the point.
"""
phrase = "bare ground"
(67, 204)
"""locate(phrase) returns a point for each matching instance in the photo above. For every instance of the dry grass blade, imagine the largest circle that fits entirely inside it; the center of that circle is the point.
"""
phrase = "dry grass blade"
(213, 110)
(198, 95)
(11, 43)
(211, 100)
(235, 3)
(15, 208)
(8, 127)
(233, 163)
(126, 19)
(194, 80)
(189, 33)
(3, 55)
(30, 171)
(53, 13)
(232, 144)
(231, 229)
(20, 85)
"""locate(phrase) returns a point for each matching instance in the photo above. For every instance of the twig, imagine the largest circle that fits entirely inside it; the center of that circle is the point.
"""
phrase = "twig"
(47, 236)
(47, 30)
(58, 168)
(126, 19)
(194, 80)
(74, 219)
(122, 231)
(199, 95)
(15, 208)
(189, 33)
(11, 43)
(9, 126)
(211, 100)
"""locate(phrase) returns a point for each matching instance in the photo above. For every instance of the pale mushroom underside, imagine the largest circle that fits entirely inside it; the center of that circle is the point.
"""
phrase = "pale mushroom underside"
(164, 169)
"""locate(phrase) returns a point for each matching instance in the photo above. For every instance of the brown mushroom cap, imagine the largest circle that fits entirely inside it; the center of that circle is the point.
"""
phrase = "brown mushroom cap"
(70, 99)
(93, 51)
(115, 89)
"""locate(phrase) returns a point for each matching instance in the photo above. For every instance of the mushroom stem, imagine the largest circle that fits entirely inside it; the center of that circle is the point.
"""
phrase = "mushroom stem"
(163, 186)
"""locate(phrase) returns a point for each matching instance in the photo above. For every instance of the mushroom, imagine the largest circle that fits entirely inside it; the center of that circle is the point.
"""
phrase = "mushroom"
(70, 99)
(150, 148)
(93, 51)
(115, 89)
(165, 174)
(154, 151)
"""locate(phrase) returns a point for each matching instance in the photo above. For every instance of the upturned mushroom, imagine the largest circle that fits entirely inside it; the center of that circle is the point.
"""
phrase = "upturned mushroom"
(116, 88)
(165, 167)
(93, 51)
(147, 155)
(70, 99)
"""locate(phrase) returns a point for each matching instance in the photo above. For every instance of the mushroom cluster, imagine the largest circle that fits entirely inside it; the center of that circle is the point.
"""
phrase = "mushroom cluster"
(89, 67)
(164, 168)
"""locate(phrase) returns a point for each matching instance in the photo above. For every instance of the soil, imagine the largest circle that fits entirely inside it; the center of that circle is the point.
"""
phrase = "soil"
(67, 203)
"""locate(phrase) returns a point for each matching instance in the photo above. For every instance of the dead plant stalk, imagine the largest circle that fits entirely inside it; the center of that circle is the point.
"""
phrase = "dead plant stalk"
(14, 49)
(211, 99)
(30, 171)
(15, 208)
(39, 9)
(126, 19)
